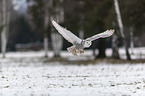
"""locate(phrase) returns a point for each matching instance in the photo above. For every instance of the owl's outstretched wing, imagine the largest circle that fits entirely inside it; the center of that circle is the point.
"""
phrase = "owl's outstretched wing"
(105, 34)
(66, 33)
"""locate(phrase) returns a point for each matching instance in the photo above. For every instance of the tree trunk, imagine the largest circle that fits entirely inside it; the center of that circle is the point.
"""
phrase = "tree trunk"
(0, 27)
(46, 45)
(121, 28)
(115, 53)
(5, 19)
(81, 34)
(94, 48)
(3, 33)
(46, 22)
(56, 40)
(131, 40)
(1, 15)
(101, 48)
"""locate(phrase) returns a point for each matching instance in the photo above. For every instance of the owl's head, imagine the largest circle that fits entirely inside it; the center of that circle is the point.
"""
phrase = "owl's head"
(87, 43)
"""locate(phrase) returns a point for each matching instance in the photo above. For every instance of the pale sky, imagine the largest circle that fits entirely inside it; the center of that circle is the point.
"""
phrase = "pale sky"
(20, 5)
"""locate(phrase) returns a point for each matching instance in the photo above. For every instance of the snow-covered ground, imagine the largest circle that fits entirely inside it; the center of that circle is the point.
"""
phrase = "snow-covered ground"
(25, 74)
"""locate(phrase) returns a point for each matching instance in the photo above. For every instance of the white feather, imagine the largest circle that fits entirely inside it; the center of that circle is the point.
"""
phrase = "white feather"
(105, 34)
(66, 33)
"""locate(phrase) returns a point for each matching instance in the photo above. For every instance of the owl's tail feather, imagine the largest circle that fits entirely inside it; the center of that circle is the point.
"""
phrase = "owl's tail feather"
(75, 51)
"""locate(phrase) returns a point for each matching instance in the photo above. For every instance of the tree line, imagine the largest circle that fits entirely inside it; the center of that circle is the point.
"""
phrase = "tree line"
(86, 18)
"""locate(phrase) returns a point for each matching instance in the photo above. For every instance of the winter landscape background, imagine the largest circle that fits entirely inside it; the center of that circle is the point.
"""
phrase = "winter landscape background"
(27, 73)
(33, 56)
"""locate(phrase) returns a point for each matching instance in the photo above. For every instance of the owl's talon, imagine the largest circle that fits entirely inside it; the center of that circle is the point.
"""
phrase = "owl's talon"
(81, 51)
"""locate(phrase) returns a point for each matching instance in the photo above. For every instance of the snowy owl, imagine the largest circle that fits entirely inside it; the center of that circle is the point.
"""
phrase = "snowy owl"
(79, 44)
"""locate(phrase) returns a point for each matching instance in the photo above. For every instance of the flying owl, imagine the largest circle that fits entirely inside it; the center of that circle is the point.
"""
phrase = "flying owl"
(79, 44)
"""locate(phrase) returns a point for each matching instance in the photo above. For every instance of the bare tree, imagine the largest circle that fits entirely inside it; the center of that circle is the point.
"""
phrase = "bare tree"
(81, 34)
(0, 26)
(0, 15)
(56, 39)
(131, 40)
(5, 19)
(121, 28)
(115, 43)
(57, 43)
(46, 22)
(3, 32)
(115, 53)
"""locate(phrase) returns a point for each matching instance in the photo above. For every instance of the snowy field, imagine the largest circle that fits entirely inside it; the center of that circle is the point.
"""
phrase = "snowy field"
(26, 74)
